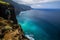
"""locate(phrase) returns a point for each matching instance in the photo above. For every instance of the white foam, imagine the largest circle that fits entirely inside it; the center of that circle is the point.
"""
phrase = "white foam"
(30, 37)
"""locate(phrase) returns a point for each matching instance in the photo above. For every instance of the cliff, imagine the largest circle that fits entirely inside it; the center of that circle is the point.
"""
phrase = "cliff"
(18, 7)
(7, 11)
(10, 31)
(9, 27)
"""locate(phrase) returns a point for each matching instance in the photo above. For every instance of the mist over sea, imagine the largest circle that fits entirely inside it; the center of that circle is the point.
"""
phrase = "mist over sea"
(40, 24)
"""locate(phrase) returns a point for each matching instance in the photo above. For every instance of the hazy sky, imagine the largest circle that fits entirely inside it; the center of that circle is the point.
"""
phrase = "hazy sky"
(33, 1)
(37, 3)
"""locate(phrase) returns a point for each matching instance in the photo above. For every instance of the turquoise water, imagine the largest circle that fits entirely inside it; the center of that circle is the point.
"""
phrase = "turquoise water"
(41, 24)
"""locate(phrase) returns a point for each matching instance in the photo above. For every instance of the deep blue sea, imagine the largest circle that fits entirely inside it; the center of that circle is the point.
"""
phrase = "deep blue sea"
(40, 24)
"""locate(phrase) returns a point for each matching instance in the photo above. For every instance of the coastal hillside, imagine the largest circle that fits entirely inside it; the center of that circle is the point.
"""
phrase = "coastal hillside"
(18, 7)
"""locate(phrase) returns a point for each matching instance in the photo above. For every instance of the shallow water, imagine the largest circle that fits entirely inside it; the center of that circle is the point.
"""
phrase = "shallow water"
(41, 24)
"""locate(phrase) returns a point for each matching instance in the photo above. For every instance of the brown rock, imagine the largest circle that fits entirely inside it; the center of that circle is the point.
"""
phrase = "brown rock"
(10, 31)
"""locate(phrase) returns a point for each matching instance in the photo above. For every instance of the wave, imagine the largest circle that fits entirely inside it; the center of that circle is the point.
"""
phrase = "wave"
(30, 37)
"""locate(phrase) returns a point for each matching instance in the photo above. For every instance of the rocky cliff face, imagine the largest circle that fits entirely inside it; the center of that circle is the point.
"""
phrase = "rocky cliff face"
(10, 31)
(18, 7)
(9, 28)
(7, 11)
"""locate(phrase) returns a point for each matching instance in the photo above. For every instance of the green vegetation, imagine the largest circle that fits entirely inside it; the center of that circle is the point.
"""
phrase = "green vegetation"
(4, 3)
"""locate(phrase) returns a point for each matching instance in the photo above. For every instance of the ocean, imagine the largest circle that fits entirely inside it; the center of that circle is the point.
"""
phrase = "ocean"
(40, 24)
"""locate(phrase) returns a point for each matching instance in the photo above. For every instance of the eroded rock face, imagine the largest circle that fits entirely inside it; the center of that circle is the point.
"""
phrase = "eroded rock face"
(10, 31)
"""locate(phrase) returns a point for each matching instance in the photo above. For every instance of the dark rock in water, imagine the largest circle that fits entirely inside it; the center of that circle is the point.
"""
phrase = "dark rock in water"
(18, 7)
(10, 31)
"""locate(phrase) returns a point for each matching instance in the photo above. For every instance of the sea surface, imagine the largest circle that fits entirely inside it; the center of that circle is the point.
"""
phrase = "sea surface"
(40, 24)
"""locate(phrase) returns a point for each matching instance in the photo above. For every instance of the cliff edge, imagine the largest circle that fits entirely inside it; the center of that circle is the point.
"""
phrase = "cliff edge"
(10, 31)
(9, 27)
(18, 7)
